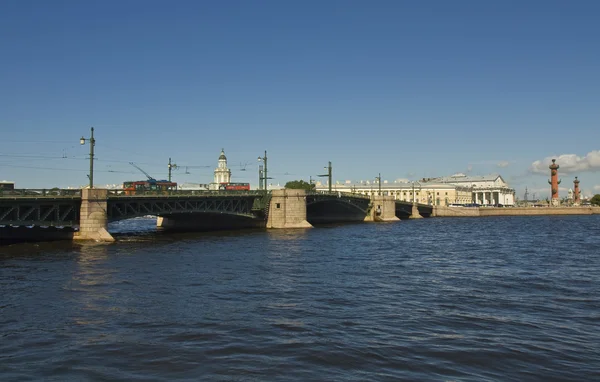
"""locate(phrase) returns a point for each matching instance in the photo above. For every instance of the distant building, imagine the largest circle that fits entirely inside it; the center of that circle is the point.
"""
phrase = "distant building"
(456, 189)
(6, 185)
(432, 193)
(485, 190)
(222, 173)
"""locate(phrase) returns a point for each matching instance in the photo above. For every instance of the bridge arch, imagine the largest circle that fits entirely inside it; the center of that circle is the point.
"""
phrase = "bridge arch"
(329, 208)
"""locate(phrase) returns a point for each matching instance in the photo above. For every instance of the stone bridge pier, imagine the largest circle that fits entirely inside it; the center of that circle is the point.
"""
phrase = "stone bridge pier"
(383, 209)
(288, 209)
(93, 217)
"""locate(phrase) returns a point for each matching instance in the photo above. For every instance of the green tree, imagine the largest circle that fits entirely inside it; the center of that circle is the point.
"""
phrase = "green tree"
(300, 185)
(595, 200)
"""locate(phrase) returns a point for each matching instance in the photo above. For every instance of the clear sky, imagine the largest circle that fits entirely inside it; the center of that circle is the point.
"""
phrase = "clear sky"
(408, 89)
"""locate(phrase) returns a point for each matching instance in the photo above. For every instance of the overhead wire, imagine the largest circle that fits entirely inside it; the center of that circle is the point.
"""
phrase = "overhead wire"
(57, 169)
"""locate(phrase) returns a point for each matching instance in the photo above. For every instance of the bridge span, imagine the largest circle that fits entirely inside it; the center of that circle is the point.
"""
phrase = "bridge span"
(85, 214)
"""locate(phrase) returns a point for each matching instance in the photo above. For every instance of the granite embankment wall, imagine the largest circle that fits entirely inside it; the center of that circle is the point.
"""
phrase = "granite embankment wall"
(512, 211)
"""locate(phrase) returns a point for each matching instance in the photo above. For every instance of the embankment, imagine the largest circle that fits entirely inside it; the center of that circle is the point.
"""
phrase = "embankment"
(512, 211)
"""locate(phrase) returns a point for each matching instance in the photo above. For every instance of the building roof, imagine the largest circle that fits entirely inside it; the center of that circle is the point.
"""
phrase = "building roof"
(222, 156)
(385, 185)
(462, 178)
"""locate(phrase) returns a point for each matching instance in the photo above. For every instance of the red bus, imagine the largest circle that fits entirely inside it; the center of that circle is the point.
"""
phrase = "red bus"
(142, 186)
(234, 187)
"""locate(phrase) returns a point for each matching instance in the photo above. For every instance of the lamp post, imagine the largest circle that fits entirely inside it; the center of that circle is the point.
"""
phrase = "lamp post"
(379, 181)
(92, 143)
(262, 172)
(171, 166)
(328, 175)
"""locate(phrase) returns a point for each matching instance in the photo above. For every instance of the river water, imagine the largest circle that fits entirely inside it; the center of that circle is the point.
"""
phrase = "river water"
(482, 299)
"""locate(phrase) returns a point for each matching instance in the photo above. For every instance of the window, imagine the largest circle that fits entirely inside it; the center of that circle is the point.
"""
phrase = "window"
(277, 205)
(438, 193)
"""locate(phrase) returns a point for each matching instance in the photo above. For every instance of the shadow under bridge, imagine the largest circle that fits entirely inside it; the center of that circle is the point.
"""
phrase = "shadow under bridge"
(322, 208)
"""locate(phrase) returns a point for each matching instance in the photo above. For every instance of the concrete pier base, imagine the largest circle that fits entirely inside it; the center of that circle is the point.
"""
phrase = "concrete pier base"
(415, 213)
(288, 209)
(384, 210)
(92, 216)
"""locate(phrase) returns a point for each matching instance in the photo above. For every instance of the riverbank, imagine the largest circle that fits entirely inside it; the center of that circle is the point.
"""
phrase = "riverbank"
(441, 211)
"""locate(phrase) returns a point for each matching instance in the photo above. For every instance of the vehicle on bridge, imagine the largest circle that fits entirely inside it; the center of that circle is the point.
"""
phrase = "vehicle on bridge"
(234, 187)
(145, 186)
(148, 186)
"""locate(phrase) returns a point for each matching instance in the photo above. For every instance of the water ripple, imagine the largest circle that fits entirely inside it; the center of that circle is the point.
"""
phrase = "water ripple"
(490, 299)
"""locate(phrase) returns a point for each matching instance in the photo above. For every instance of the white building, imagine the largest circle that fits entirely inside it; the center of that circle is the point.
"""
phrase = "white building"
(444, 191)
(486, 190)
(432, 193)
(222, 173)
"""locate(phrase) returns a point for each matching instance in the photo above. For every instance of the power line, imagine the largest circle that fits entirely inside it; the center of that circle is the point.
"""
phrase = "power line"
(19, 141)
(61, 169)
(38, 156)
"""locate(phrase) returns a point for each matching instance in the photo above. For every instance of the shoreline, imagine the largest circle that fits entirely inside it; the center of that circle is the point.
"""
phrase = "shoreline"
(442, 211)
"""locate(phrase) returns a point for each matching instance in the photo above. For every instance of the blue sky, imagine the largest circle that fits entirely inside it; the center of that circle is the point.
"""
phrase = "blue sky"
(408, 89)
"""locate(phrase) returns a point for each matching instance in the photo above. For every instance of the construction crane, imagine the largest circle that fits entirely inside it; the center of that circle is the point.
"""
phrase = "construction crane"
(151, 179)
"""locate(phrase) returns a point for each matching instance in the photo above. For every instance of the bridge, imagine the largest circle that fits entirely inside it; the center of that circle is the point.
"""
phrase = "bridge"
(84, 214)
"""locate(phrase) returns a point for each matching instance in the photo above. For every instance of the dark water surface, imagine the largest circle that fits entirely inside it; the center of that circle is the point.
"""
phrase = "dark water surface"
(483, 299)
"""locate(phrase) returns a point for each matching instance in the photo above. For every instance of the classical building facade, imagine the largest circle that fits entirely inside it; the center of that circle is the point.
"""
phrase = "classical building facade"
(421, 192)
(222, 173)
(444, 191)
(485, 190)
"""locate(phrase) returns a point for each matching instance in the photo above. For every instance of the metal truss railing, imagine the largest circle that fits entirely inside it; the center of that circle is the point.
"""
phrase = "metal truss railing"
(339, 194)
(360, 202)
(125, 207)
(41, 212)
(41, 193)
(76, 193)
(178, 193)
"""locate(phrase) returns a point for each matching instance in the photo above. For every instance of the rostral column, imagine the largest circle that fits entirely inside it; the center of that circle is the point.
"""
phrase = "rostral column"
(576, 192)
(554, 182)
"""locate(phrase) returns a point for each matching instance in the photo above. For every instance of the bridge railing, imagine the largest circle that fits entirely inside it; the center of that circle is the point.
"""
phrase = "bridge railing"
(177, 193)
(76, 193)
(40, 193)
(340, 194)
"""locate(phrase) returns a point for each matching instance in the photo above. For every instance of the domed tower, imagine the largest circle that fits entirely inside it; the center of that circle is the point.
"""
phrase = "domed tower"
(222, 173)
(554, 182)
(576, 192)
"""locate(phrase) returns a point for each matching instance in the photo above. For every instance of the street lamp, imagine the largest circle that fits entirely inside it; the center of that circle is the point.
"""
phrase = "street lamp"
(171, 166)
(92, 142)
(379, 181)
(262, 172)
(328, 168)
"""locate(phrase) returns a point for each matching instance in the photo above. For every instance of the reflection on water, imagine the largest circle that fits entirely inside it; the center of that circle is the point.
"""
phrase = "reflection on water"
(416, 300)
